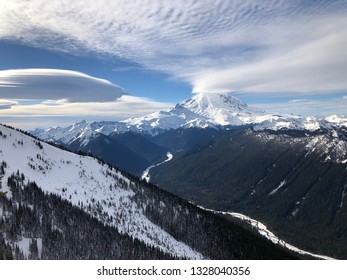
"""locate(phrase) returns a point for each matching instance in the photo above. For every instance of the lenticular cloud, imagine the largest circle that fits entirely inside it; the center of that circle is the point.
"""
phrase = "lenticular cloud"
(54, 84)
(216, 46)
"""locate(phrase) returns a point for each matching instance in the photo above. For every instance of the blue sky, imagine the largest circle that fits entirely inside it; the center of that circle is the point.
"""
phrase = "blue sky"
(135, 79)
(63, 61)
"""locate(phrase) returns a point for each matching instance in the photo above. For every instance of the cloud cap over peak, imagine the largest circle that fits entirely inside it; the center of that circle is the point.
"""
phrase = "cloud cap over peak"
(56, 85)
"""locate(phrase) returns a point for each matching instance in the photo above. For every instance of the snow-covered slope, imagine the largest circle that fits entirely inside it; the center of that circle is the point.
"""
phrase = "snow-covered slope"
(81, 131)
(96, 188)
(330, 147)
(222, 109)
(202, 111)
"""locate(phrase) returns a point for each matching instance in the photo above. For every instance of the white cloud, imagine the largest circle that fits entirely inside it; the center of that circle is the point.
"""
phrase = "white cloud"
(271, 46)
(34, 96)
(57, 85)
(308, 107)
(6, 104)
(124, 107)
(317, 67)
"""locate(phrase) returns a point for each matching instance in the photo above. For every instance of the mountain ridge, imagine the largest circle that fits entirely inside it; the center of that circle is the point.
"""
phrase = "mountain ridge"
(34, 173)
(201, 111)
(293, 182)
(81, 180)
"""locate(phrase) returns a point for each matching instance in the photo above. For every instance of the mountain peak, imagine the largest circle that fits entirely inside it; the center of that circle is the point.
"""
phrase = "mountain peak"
(205, 101)
(202, 110)
(222, 109)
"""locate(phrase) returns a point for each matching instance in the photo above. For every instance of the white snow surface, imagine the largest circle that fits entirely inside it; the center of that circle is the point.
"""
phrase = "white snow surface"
(332, 148)
(82, 179)
(24, 243)
(264, 231)
(145, 175)
(344, 192)
(329, 147)
(279, 186)
(202, 110)
(336, 120)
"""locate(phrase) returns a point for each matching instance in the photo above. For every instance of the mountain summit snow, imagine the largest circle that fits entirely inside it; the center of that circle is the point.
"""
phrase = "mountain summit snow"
(202, 111)
(221, 109)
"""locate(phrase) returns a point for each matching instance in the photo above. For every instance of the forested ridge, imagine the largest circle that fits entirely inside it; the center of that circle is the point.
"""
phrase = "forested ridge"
(117, 216)
(293, 181)
(59, 230)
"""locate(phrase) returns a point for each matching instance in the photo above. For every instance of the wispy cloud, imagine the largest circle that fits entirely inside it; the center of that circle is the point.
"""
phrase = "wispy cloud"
(124, 107)
(317, 67)
(127, 68)
(271, 46)
(308, 107)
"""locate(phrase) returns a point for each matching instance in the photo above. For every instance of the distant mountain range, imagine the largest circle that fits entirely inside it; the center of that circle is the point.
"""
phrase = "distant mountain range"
(201, 111)
(286, 171)
(140, 142)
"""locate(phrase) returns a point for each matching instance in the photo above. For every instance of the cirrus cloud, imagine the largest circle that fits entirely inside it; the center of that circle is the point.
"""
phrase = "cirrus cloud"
(308, 107)
(216, 46)
(314, 68)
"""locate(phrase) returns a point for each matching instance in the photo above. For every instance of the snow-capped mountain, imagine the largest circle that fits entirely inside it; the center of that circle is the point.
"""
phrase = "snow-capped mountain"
(201, 111)
(222, 109)
(144, 141)
(82, 131)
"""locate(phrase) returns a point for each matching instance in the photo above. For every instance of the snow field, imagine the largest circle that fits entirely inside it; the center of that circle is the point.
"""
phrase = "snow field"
(87, 184)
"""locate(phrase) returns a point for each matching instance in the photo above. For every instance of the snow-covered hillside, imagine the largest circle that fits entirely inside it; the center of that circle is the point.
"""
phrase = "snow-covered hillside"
(95, 187)
(329, 147)
(82, 131)
(202, 111)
